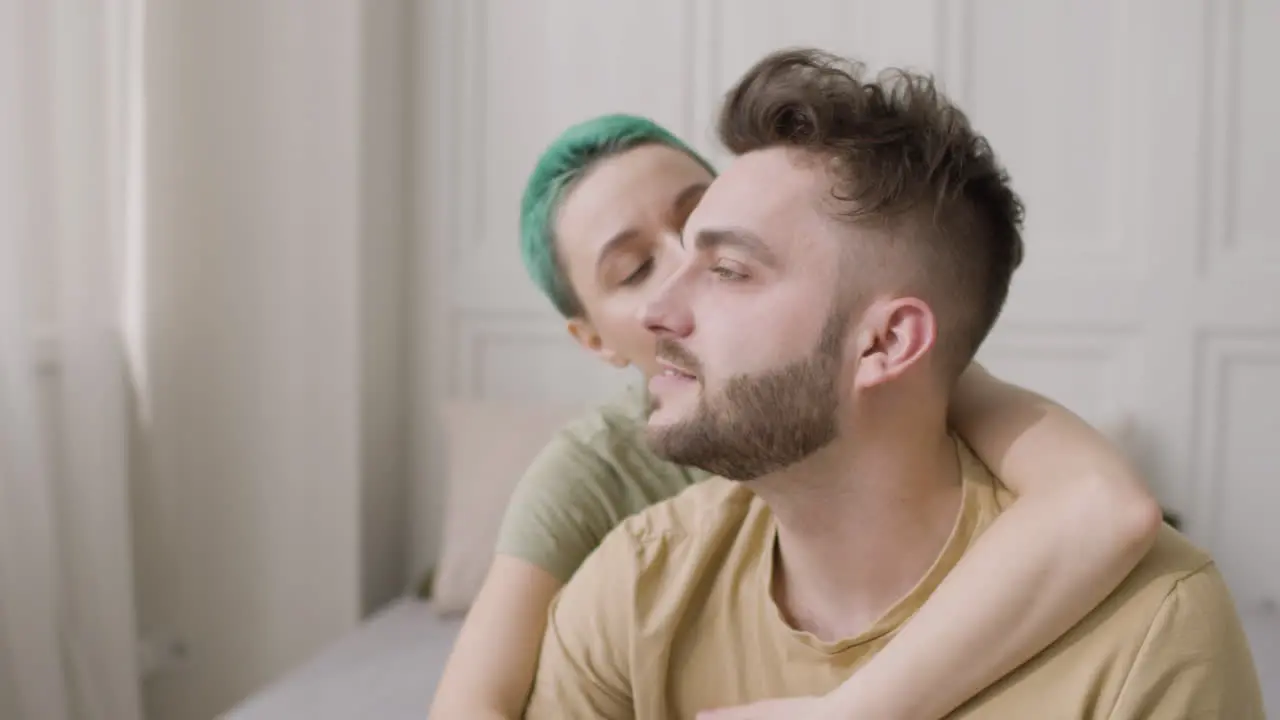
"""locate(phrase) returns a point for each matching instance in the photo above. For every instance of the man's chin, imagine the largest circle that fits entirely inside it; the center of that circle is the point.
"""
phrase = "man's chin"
(672, 407)
(664, 416)
(664, 438)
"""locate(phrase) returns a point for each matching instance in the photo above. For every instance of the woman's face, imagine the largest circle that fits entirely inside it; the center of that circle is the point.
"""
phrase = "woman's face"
(618, 230)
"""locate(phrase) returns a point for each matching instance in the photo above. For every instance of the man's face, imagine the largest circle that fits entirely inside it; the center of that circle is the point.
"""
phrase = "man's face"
(750, 328)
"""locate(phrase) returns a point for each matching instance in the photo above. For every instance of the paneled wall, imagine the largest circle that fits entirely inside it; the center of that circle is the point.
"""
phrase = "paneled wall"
(1139, 133)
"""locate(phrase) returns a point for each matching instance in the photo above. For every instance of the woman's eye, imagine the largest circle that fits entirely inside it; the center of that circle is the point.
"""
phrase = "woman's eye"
(640, 273)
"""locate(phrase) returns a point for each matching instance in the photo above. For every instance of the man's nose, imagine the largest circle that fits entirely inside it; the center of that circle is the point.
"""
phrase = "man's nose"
(667, 312)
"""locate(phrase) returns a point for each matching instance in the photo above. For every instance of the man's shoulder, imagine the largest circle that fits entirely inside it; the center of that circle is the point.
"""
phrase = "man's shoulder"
(666, 547)
(1176, 576)
(1172, 558)
(1164, 637)
(1132, 608)
(1190, 655)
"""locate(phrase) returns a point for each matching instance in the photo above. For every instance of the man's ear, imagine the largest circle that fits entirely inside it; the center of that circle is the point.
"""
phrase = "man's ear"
(586, 335)
(892, 338)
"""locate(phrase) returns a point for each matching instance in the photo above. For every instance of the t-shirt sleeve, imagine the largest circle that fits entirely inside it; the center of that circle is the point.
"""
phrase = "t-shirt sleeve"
(555, 518)
(1195, 662)
(583, 667)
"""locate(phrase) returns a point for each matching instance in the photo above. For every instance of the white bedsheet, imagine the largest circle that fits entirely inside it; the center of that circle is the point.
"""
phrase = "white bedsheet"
(387, 669)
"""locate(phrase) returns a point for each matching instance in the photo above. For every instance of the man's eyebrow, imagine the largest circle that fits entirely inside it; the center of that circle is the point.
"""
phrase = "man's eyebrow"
(736, 237)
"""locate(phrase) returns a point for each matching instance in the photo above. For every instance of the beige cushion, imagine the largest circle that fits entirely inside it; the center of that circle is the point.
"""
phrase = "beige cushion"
(489, 445)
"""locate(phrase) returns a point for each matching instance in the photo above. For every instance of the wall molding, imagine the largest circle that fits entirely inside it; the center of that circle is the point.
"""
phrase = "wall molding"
(1221, 245)
(1218, 355)
(1218, 146)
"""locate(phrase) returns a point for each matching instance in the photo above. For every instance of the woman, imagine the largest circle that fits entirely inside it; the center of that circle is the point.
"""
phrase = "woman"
(601, 222)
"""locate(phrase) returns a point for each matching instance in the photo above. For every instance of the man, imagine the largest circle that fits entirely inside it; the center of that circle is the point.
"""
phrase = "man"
(841, 273)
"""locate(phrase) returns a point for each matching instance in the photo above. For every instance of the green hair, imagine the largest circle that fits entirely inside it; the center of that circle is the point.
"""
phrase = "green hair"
(564, 161)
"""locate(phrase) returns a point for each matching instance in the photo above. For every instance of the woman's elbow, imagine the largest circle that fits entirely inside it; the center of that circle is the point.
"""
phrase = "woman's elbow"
(1128, 510)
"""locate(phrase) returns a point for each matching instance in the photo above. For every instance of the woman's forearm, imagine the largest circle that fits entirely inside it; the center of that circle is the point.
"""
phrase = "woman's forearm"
(1036, 572)
(1031, 442)
(1082, 520)
(490, 672)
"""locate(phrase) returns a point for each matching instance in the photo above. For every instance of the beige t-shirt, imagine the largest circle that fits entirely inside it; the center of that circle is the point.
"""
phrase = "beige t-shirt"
(673, 615)
(595, 472)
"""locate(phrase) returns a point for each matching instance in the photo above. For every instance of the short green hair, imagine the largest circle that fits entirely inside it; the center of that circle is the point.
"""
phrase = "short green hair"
(564, 161)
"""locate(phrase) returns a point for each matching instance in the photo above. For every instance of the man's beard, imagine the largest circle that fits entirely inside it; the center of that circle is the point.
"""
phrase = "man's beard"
(759, 423)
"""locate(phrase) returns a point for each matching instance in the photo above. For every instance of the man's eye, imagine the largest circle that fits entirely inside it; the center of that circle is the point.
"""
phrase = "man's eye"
(726, 273)
(640, 273)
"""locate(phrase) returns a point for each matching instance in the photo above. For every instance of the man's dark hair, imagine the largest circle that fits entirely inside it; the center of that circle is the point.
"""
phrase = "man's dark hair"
(903, 159)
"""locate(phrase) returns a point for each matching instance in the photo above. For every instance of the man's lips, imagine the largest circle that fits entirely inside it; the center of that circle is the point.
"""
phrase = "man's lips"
(672, 370)
(671, 379)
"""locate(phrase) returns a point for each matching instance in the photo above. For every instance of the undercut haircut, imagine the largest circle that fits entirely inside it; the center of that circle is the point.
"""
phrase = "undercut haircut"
(902, 159)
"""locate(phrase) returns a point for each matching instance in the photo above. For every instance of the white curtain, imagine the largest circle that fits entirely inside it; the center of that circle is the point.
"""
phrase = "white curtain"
(203, 215)
(67, 624)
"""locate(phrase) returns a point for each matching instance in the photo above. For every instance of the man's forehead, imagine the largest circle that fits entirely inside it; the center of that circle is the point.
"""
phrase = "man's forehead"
(766, 191)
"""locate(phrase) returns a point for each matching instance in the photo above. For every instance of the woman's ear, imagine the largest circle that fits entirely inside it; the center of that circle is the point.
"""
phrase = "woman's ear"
(586, 335)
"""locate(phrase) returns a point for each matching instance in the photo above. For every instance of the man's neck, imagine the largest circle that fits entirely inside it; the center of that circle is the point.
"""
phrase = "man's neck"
(859, 524)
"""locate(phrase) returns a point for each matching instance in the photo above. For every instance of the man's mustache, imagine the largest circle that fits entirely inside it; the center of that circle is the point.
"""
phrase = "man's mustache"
(674, 353)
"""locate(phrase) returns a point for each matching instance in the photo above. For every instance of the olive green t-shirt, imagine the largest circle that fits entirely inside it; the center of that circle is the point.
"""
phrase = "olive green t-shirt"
(597, 471)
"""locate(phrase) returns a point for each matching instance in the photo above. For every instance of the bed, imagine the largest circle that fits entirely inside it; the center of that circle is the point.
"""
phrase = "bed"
(387, 669)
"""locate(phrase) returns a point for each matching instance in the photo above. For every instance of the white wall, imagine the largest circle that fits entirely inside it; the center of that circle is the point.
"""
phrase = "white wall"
(1140, 134)
(270, 454)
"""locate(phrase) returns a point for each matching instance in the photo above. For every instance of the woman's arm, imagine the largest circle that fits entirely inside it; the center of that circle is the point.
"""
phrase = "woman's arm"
(491, 668)
(1081, 522)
